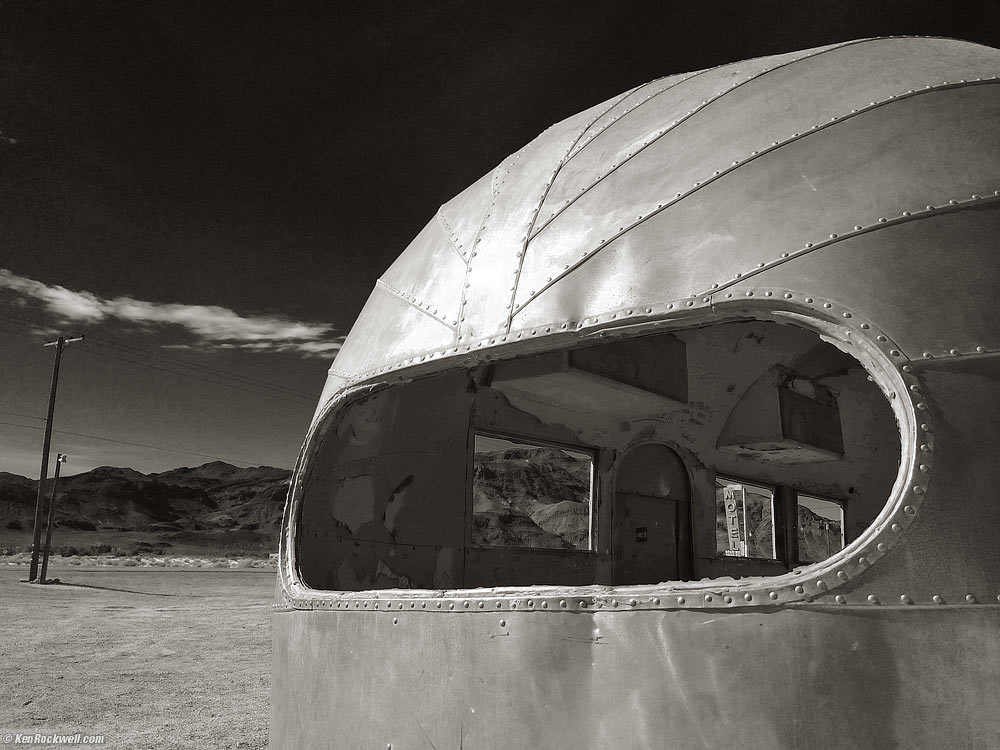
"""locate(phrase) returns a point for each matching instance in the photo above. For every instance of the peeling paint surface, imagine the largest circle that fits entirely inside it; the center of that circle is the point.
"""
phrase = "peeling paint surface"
(384, 501)
(387, 496)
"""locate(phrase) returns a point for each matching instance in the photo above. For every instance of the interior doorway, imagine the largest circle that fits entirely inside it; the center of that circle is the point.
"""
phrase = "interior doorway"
(652, 509)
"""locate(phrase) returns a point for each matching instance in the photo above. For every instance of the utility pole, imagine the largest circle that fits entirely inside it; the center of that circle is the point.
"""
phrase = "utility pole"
(59, 344)
(60, 460)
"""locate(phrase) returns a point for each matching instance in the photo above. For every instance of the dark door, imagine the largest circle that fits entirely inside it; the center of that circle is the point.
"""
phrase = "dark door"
(652, 507)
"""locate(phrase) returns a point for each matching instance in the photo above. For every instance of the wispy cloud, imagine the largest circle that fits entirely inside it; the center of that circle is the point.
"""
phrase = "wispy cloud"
(210, 324)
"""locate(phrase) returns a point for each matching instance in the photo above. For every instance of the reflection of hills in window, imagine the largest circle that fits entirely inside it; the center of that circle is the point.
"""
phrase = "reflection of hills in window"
(530, 496)
(819, 536)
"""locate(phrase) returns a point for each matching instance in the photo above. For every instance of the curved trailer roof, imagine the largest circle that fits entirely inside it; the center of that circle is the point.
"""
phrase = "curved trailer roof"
(865, 172)
(853, 189)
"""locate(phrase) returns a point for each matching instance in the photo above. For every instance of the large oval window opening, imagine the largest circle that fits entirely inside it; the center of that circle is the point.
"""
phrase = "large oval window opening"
(743, 448)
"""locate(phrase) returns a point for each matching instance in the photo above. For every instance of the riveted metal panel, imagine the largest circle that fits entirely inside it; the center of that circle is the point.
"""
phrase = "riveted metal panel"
(623, 106)
(462, 216)
(389, 329)
(333, 385)
(758, 98)
(837, 180)
(678, 151)
(929, 281)
(835, 677)
(495, 260)
(429, 275)
(843, 89)
(950, 555)
(648, 131)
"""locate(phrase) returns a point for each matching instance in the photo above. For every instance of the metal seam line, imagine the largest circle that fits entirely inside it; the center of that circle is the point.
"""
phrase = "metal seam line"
(494, 185)
(331, 599)
(618, 118)
(545, 192)
(644, 309)
(953, 206)
(684, 118)
(412, 301)
(754, 155)
(830, 48)
(495, 188)
(450, 234)
(928, 357)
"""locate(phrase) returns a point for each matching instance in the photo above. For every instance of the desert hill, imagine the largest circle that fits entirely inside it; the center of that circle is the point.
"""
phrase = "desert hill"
(216, 507)
(531, 497)
(522, 498)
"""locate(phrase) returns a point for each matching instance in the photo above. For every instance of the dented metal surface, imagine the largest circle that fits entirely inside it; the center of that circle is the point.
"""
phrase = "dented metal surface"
(779, 678)
(848, 195)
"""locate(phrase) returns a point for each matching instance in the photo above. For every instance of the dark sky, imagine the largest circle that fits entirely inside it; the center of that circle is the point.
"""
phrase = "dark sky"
(175, 174)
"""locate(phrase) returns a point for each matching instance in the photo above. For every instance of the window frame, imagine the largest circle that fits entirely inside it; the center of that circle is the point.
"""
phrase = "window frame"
(775, 515)
(531, 441)
(784, 520)
(841, 502)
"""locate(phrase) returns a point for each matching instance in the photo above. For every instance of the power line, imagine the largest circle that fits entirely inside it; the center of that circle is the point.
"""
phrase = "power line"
(25, 426)
(156, 355)
(18, 414)
(162, 357)
(126, 442)
(170, 365)
(306, 400)
(19, 333)
(194, 365)
(217, 376)
(278, 396)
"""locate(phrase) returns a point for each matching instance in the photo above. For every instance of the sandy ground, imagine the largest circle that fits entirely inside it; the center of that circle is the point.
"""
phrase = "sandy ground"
(150, 658)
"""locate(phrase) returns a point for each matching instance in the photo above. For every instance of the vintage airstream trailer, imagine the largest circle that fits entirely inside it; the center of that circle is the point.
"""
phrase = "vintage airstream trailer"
(677, 429)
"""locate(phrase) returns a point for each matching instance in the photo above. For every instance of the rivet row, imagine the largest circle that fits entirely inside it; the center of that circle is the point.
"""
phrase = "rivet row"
(451, 235)
(289, 603)
(575, 326)
(678, 121)
(547, 186)
(424, 307)
(735, 165)
(857, 229)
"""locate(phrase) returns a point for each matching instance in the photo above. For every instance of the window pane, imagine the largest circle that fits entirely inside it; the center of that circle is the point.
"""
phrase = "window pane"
(821, 528)
(741, 508)
(527, 495)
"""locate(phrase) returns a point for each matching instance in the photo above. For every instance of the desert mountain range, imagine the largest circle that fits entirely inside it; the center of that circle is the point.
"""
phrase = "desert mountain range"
(216, 506)
(522, 498)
